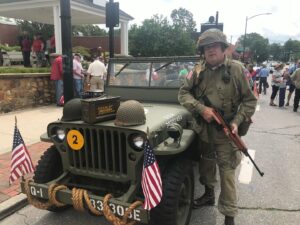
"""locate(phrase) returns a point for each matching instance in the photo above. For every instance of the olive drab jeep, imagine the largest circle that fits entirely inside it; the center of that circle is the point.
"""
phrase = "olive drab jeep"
(95, 161)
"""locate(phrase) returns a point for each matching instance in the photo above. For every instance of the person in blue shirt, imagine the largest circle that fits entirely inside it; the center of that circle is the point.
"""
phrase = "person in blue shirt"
(263, 75)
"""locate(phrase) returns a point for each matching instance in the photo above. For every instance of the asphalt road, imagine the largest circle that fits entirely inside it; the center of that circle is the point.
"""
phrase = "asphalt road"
(270, 200)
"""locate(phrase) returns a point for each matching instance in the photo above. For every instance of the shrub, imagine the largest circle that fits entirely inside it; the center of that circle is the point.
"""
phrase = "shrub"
(23, 70)
(85, 52)
(10, 48)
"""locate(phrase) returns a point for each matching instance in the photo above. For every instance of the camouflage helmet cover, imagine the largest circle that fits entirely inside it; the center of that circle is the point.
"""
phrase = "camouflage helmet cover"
(130, 113)
(211, 36)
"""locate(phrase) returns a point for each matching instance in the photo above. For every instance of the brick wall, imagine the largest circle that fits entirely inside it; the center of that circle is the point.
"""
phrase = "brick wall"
(9, 34)
(20, 91)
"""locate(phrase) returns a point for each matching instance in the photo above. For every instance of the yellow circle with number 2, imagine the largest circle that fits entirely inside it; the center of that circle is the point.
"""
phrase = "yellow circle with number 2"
(75, 140)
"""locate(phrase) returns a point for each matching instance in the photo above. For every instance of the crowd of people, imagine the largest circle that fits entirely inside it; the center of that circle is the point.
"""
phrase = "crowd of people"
(38, 48)
(92, 79)
(283, 78)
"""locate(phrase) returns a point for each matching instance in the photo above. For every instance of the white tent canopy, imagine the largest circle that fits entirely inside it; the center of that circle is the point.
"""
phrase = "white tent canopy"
(48, 11)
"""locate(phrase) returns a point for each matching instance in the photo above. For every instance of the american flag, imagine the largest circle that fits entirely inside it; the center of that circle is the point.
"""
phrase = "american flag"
(21, 162)
(151, 180)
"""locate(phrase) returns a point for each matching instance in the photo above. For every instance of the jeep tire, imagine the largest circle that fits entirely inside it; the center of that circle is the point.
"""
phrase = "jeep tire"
(49, 167)
(175, 207)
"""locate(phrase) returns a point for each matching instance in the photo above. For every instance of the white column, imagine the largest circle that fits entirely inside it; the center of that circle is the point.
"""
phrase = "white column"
(57, 28)
(124, 38)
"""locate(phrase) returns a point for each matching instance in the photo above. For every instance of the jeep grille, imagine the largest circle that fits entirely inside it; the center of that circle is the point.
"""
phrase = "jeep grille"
(104, 151)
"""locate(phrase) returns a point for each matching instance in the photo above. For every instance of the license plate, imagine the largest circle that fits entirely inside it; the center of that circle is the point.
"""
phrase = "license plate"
(96, 203)
(116, 209)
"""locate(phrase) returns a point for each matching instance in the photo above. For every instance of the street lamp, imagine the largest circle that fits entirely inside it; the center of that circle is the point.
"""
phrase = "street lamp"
(249, 18)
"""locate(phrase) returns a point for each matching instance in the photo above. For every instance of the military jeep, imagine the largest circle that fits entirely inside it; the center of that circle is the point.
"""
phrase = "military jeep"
(100, 149)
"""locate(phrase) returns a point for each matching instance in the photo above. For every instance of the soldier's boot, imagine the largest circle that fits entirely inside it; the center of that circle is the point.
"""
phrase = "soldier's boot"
(229, 220)
(208, 198)
(272, 103)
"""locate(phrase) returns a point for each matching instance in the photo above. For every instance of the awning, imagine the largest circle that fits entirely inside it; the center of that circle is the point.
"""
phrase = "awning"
(48, 11)
(82, 11)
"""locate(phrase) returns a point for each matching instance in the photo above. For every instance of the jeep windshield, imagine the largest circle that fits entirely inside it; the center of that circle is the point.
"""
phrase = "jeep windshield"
(135, 72)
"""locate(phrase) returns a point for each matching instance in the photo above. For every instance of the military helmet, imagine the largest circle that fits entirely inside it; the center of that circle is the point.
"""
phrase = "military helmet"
(211, 36)
(72, 110)
(130, 113)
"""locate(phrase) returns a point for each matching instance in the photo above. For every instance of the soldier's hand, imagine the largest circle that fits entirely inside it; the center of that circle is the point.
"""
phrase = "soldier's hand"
(234, 128)
(208, 114)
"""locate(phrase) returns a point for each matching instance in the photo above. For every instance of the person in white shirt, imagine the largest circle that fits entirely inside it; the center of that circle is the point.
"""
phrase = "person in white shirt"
(97, 74)
(77, 76)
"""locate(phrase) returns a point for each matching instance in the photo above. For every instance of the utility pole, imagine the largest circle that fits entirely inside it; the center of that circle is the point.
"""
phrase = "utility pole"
(245, 35)
(112, 20)
(66, 36)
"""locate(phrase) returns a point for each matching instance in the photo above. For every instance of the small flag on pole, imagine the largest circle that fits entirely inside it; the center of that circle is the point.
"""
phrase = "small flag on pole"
(21, 162)
(151, 180)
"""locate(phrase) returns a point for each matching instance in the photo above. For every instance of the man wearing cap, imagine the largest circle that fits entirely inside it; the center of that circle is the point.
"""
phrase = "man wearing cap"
(222, 81)
(97, 74)
(57, 76)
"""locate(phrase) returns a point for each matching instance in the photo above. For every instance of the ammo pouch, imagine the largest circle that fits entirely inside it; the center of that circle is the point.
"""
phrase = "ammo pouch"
(244, 127)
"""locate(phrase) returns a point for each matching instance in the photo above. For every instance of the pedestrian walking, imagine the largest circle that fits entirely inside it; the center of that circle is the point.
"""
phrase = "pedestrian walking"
(78, 75)
(97, 74)
(25, 44)
(38, 49)
(263, 76)
(276, 80)
(223, 82)
(57, 76)
(296, 79)
(290, 83)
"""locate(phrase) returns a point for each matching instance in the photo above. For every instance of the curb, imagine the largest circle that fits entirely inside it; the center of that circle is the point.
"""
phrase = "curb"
(12, 205)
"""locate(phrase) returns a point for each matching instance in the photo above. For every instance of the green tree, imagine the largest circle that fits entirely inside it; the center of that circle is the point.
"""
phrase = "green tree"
(156, 37)
(275, 51)
(292, 49)
(33, 28)
(88, 30)
(257, 45)
(183, 19)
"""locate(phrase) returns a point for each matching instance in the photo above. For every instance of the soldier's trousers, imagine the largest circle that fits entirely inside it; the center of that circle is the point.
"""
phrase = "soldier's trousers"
(227, 157)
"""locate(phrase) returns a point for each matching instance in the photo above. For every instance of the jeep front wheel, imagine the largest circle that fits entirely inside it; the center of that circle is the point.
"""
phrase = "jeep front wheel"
(175, 207)
(49, 167)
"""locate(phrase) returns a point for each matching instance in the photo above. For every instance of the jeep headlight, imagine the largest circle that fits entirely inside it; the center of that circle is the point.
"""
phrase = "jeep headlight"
(137, 141)
(60, 133)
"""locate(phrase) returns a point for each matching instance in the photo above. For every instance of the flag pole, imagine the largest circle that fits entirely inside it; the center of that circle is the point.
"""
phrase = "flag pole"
(16, 121)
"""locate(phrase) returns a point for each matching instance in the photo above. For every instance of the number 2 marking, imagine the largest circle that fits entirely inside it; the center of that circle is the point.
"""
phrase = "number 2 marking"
(75, 142)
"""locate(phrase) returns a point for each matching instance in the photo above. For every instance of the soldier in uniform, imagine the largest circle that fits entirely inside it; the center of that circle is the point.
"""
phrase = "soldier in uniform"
(222, 81)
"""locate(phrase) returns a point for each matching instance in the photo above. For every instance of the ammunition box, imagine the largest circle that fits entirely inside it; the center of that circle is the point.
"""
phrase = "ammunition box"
(99, 109)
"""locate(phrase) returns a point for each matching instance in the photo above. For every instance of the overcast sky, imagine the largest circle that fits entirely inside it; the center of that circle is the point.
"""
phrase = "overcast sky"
(282, 24)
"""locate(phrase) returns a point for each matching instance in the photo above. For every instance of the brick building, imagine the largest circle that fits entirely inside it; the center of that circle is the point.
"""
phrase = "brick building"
(9, 32)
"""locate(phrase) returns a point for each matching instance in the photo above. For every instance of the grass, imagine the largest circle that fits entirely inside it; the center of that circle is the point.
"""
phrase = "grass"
(24, 70)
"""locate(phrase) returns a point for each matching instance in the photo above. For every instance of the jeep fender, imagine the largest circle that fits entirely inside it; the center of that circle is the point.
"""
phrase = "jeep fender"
(168, 147)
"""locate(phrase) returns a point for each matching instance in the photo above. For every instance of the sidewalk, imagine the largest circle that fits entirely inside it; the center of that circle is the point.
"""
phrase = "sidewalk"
(31, 123)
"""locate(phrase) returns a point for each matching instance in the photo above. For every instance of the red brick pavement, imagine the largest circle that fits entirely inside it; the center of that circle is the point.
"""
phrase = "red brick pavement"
(7, 191)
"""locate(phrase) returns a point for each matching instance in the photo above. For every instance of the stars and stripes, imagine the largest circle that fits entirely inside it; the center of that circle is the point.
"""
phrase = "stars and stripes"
(151, 180)
(21, 162)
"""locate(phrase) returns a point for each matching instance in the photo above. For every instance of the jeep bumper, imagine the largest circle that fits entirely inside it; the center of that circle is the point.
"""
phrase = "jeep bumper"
(65, 196)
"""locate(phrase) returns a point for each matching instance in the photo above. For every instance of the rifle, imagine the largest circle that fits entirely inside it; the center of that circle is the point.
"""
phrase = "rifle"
(235, 138)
